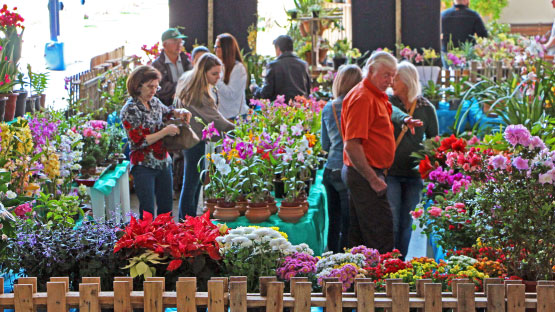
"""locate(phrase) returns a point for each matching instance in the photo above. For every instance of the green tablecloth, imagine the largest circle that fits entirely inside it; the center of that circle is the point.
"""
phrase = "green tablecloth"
(312, 228)
(108, 180)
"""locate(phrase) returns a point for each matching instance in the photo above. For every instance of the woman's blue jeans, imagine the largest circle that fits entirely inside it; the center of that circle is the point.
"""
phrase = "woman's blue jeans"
(403, 194)
(338, 210)
(188, 201)
(153, 185)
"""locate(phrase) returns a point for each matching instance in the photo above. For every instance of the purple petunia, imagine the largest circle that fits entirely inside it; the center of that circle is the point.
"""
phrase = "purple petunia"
(517, 134)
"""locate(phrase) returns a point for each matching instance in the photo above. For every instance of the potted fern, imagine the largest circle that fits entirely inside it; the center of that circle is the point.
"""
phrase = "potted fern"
(38, 82)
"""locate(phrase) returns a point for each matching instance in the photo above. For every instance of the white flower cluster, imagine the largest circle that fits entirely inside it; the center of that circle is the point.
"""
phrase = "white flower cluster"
(70, 152)
(330, 260)
(247, 237)
(462, 261)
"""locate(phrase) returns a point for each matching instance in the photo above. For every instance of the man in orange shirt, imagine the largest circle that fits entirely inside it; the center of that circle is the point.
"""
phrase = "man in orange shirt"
(369, 150)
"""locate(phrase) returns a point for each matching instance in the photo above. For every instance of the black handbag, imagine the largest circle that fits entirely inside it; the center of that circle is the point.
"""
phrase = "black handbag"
(186, 138)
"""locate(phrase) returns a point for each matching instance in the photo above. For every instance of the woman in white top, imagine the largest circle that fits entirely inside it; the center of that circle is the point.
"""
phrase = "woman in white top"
(231, 89)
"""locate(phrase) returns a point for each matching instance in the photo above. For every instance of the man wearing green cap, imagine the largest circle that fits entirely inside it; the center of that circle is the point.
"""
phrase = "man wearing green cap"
(171, 63)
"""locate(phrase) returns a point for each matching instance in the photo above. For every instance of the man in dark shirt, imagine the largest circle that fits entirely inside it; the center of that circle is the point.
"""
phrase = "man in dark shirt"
(171, 63)
(287, 75)
(459, 24)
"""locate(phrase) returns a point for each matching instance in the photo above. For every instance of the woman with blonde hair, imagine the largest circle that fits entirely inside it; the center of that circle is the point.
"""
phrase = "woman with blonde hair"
(200, 98)
(404, 185)
(338, 202)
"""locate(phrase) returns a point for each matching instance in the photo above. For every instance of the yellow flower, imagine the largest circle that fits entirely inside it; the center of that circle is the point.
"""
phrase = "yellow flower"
(429, 54)
(222, 228)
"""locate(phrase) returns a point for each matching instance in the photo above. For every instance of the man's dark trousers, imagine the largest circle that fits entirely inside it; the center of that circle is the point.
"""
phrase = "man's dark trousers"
(371, 219)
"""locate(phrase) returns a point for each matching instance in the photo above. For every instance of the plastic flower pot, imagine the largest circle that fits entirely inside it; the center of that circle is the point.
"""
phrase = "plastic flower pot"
(10, 107)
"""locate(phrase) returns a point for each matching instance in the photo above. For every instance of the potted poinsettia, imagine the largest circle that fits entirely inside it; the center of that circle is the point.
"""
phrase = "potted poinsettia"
(163, 247)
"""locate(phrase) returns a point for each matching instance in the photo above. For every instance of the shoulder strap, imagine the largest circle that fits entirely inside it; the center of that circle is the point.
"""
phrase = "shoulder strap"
(336, 120)
(405, 128)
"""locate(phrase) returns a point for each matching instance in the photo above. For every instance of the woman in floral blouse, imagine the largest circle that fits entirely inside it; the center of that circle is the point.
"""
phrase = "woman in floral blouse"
(143, 118)
(199, 96)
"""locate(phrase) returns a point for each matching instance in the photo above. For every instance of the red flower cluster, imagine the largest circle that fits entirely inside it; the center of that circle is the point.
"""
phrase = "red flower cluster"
(179, 241)
(425, 167)
(453, 144)
(10, 19)
(389, 263)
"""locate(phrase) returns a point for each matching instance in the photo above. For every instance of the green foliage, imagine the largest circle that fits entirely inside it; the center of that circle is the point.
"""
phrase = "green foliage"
(253, 262)
(38, 81)
(432, 91)
(490, 8)
(54, 213)
(113, 101)
(340, 48)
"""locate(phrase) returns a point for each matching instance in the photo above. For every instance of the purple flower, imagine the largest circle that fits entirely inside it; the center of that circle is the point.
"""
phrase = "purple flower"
(210, 131)
(520, 163)
(498, 162)
(536, 142)
(517, 134)
(280, 99)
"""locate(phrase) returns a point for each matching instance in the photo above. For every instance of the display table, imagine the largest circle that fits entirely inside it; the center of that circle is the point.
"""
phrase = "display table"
(311, 229)
(110, 194)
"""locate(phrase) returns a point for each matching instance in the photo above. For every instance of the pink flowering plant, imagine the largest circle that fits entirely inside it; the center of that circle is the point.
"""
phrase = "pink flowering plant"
(298, 264)
(517, 204)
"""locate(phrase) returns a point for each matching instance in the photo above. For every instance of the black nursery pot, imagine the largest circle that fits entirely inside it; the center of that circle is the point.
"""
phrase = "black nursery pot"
(454, 104)
(279, 189)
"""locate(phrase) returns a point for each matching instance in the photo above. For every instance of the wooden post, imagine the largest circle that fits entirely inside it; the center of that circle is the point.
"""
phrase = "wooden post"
(473, 71)
(491, 281)
(215, 296)
(432, 297)
(28, 281)
(237, 279)
(186, 295)
(23, 297)
(263, 283)
(334, 296)
(91, 280)
(63, 279)
(153, 296)
(237, 296)
(389, 285)
(293, 283)
(122, 296)
(223, 279)
(361, 280)
(465, 297)
(420, 286)
(157, 279)
(88, 297)
(447, 72)
(498, 71)
(546, 297)
(56, 296)
(398, 25)
(365, 296)
(326, 280)
(274, 300)
(302, 297)
(496, 297)
(400, 297)
(210, 17)
(516, 297)
(125, 279)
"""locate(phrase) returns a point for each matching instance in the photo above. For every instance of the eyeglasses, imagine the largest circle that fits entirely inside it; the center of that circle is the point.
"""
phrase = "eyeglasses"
(216, 47)
(158, 88)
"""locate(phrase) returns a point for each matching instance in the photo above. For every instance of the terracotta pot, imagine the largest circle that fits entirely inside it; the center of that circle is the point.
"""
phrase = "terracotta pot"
(3, 100)
(10, 106)
(209, 205)
(322, 53)
(290, 212)
(304, 205)
(227, 214)
(242, 206)
(257, 212)
(304, 27)
(20, 104)
(272, 205)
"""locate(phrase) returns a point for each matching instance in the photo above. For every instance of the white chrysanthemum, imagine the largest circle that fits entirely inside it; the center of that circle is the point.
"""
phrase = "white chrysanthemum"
(262, 232)
(247, 230)
(251, 236)
(239, 240)
(246, 244)
(237, 231)
(10, 195)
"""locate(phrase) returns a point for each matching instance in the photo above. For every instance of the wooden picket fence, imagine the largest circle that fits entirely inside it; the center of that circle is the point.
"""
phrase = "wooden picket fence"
(89, 85)
(223, 292)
